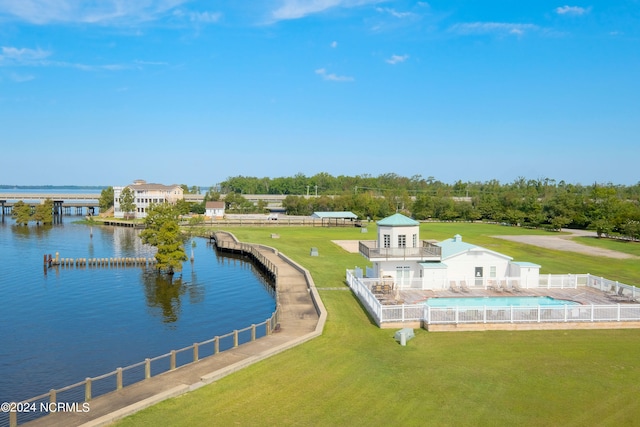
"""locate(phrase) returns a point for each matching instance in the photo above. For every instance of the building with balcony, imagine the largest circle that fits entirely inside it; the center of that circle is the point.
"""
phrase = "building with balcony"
(144, 196)
(403, 261)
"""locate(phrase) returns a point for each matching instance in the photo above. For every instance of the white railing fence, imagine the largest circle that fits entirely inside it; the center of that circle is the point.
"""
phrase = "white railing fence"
(383, 313)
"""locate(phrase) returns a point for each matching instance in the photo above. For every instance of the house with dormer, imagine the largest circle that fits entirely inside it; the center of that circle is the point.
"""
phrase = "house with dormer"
(399, 256)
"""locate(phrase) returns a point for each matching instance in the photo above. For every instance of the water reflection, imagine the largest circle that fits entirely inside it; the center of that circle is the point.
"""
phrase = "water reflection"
(164, 294)
(27, 232)
(240, 262)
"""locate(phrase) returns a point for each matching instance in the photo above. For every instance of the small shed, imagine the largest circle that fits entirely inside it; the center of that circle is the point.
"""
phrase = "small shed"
(337, 219)
(214, 209)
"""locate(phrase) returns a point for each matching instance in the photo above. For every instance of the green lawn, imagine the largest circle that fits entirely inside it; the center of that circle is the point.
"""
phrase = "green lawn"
(356, 374)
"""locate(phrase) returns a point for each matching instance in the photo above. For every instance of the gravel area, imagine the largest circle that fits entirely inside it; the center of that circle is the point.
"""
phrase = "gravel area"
(565, 242)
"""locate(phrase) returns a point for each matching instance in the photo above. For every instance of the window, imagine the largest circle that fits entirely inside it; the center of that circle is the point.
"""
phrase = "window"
(415, 240)
(387, 240)
(402, 241)
(492, 271)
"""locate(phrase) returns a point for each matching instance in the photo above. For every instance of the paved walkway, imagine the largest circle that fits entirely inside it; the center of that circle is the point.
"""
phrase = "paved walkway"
(302, 317)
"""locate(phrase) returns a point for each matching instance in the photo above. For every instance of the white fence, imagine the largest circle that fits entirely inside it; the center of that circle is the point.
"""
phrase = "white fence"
(509, 314)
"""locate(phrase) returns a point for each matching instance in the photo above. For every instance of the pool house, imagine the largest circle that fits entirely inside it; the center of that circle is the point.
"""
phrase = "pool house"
(401, 258)
(409, 275)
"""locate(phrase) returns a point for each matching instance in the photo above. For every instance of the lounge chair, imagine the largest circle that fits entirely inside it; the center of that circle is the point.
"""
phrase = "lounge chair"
(618, 296)
(504, 285)
(463, 286)
(453, 286)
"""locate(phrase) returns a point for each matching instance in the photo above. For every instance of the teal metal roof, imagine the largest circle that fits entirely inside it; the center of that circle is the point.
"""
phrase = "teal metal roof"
(526, 264)
(433, 265)
(348, 215)
(454, 246)
(398, 220)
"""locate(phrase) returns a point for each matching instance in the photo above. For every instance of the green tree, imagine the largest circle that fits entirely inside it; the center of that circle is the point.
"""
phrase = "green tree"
(170, 246)
(126, 201)
(163, 232)
(106, 199)
(21, 213)
(44, 213)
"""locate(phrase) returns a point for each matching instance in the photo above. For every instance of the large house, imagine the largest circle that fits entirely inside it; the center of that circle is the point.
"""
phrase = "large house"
(144, 195)
(400, 257)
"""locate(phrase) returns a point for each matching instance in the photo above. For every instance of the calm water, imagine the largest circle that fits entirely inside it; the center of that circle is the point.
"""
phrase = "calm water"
(59, 326)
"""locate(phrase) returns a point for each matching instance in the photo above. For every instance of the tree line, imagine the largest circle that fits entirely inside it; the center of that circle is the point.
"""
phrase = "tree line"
(606, 208)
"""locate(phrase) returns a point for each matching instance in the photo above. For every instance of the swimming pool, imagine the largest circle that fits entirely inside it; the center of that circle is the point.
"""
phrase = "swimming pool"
(497, 302)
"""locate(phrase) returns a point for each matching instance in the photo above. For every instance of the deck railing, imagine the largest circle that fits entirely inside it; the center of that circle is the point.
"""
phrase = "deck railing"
(76, 396)
(616, 312)
(370, 249)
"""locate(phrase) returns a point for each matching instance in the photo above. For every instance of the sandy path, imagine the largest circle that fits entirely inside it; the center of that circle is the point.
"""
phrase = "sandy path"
(350, 246)
(566, 243)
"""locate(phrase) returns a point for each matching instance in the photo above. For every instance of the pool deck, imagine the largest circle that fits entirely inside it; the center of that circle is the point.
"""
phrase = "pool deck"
(582, 295)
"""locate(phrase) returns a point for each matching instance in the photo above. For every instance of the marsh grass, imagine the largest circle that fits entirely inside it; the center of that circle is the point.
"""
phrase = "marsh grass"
(356, 374)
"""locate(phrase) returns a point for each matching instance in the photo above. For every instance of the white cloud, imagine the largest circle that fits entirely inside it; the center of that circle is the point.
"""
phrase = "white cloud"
(198, 17)
(21, 78)
(572, 10)
(103, 11)
(395, 13)
(396, 59)
(333, 77)
(205, 17)
(334, 44)
(475, 28)
(25, 57)
(21, 56)
(295, 9)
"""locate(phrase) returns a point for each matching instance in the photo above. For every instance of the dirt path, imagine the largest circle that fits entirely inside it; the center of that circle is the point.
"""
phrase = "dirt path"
(566, 243)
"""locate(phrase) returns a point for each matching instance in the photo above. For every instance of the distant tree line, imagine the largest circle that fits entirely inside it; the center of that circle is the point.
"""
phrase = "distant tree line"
(605, 208)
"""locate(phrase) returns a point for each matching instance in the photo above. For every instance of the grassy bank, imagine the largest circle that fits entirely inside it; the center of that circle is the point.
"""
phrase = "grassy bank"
(356, 374)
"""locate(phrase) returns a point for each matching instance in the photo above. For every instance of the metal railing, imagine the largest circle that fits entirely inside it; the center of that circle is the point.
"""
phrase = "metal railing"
(370, 249)
(74, 396)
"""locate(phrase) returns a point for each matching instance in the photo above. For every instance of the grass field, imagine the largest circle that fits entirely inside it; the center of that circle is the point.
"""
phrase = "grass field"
(355, 374)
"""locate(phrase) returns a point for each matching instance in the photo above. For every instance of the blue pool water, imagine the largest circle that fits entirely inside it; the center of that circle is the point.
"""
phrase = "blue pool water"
(497, 302)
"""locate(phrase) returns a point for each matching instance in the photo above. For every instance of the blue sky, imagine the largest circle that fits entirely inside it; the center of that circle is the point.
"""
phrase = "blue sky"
(175, 91)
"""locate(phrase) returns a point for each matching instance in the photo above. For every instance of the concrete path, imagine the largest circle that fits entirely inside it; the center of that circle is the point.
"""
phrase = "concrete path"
(302, 317)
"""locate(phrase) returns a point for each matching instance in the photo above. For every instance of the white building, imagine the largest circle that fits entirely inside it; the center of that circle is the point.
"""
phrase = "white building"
(145, 195)
(214, 209)
(401, 258)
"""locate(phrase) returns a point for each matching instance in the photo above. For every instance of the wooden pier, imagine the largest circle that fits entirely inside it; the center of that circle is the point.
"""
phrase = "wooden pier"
(50, 261)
